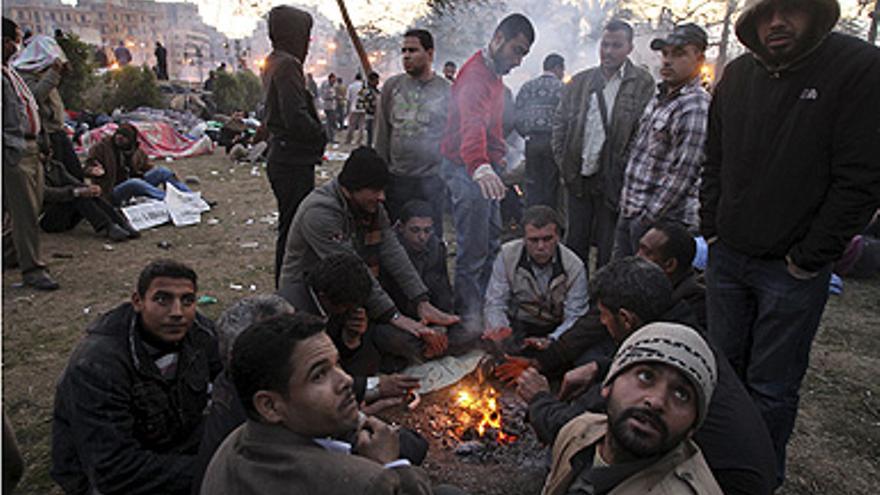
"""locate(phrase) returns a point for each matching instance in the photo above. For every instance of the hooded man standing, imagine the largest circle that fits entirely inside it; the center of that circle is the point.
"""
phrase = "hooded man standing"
(792, 174)
(297, 139)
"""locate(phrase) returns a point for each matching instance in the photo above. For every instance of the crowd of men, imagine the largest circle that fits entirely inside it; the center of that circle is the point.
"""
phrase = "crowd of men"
(638, 375)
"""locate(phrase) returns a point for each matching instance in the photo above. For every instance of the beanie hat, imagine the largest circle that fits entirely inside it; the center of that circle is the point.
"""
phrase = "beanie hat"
(674, 345)
(364, 169)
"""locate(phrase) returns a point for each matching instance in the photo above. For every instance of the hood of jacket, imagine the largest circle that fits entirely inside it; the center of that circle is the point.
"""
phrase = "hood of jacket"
(289, 30)
(824, 14)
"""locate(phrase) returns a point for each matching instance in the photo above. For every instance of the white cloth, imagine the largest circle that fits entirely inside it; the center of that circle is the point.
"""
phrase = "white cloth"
(39, 53)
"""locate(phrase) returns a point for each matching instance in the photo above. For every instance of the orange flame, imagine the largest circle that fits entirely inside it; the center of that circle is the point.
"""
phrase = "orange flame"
(480, 410)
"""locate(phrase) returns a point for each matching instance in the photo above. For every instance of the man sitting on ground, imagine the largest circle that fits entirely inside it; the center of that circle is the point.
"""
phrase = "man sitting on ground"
(346, 216)
(123, 171)
(632, 292)
(671, 247)
(415, 231)
(538, 287)
(128, 407)
(337, 290)
(658, 391)
(298, 401)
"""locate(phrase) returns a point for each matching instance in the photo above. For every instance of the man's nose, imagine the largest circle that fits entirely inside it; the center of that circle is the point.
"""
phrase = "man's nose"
(381, 196)
(176, 308)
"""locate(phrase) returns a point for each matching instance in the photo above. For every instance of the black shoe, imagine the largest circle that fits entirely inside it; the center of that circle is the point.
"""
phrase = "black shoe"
(130, 230)
(116, 233)
(40, 280)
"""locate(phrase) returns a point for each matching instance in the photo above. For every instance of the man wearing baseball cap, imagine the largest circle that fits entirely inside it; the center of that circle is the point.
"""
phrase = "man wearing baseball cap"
(658, 391)
(661, 177)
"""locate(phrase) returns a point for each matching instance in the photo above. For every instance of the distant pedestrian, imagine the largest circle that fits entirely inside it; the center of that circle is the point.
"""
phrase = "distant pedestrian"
(161, 62)
(123, 56)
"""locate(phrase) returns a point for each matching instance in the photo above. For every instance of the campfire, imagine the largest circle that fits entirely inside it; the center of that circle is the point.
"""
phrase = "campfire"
(477, 414)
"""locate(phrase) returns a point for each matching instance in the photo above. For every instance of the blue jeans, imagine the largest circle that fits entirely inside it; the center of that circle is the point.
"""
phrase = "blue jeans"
(764, 321)
(477, 238)
(148, 186)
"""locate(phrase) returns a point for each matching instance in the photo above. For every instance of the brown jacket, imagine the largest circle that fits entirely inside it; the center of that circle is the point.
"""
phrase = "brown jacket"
(261, 459)
(682, 471)
(44, 86)
(635, 91)
(105, 153)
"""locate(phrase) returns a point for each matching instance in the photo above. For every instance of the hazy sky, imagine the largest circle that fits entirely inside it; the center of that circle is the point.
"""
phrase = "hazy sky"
(391, 15)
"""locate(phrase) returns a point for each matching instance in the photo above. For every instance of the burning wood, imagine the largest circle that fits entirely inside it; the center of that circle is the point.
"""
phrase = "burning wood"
(477, 411)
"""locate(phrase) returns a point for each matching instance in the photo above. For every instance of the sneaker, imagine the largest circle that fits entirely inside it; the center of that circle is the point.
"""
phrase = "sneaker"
(130, 230)
(116, 233)
(40, 280)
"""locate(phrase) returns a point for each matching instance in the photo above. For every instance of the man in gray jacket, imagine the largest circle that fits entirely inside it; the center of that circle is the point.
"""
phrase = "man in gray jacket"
(594, 122)
(346, 215)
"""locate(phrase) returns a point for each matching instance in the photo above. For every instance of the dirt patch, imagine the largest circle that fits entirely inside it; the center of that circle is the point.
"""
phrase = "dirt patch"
(835, 448)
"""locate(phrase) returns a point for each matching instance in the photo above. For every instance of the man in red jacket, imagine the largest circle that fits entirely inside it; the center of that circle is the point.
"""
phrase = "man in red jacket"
(473, 150)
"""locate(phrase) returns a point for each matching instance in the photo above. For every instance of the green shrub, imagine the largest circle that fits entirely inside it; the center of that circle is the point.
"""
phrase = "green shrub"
(131, 87)
(80, 76)
(239, 91)
(251, 90)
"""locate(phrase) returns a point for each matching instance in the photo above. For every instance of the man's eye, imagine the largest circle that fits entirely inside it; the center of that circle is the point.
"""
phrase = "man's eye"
(188, 300)
(682, 394)
(318, 375)
(645, 376)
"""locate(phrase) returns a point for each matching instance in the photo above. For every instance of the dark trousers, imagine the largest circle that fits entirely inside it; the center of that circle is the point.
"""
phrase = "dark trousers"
(399, 349)
(61, 217)
(430, 189)
(626, 237)
(542, 174)
(330, 124)
(62, 150)
(291, 183)
(590, 221)
(371, 120)
(764, 321)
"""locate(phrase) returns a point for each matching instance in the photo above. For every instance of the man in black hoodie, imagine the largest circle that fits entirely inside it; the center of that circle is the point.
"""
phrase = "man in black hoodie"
(297, 140)
(792, 174)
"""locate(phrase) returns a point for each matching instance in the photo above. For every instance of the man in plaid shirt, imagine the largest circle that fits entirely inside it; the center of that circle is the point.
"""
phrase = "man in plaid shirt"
(662, 175)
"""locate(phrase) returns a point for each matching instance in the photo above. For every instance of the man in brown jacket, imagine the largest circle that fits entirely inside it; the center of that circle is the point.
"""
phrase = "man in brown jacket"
(597, 116)
(298, 400)
(658, 391)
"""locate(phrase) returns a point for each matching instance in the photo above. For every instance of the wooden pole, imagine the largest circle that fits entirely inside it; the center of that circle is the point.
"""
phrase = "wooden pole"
(355, 40)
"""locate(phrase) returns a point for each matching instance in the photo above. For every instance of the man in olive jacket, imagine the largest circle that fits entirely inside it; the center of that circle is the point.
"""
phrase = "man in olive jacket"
(597, 116)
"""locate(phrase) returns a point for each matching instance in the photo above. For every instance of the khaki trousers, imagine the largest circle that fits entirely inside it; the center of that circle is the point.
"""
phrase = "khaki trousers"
(23, 198)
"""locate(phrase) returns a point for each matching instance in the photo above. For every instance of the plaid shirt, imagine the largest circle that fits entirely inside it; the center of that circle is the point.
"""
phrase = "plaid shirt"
(662, 176)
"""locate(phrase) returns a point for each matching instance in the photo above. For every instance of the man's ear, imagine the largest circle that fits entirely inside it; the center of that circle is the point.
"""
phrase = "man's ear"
(606, 391)
(269, 406)
(137, 302)
(497, 42)
(670, 266)
(631, 321)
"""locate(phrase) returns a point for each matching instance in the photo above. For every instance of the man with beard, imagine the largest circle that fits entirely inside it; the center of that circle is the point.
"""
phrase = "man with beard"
(658, 391)
(589, 143)
(296, 137)
(473, 150)
(792, 174)
(410, 120)
(121, 168)
(346, 216)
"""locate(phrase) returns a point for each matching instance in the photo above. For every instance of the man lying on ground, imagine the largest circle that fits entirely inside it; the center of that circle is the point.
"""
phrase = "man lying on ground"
(123, 171)
(299, 402)
(128, 406)
(658, 391)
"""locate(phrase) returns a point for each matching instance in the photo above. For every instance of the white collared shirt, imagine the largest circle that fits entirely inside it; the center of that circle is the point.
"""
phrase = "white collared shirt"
(594, 131)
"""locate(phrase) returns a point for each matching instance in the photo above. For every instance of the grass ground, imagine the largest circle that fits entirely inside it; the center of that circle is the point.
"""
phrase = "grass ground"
(835, 448)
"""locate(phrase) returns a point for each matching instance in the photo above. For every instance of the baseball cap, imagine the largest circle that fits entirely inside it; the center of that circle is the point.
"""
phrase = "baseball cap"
(683, 34)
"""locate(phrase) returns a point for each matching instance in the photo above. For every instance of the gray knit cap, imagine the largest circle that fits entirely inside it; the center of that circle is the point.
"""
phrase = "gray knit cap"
(675, 345)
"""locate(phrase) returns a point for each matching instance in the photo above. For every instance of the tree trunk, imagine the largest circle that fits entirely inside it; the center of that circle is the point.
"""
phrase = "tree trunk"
(872, 33)
(355, 40)
(725, 40)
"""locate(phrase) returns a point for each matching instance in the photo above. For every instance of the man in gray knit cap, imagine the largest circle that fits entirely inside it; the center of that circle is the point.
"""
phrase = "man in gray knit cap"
(658, 391)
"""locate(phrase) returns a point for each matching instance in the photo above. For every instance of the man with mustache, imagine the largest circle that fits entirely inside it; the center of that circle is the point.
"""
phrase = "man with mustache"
(666, 153)
(299, 403)
(792, 174)
(658, 391)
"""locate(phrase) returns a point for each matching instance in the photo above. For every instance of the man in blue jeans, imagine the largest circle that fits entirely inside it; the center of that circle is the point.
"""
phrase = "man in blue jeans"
(473, 150)
(124, 171)
(792, 173)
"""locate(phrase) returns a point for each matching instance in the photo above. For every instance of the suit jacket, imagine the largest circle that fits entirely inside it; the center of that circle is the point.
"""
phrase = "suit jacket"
(263, 459)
